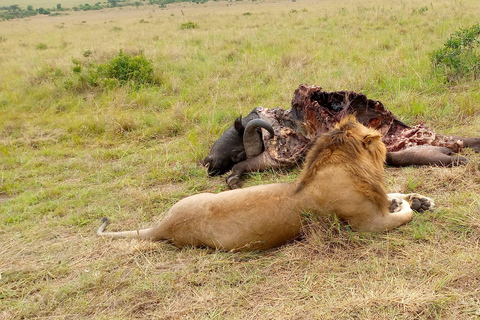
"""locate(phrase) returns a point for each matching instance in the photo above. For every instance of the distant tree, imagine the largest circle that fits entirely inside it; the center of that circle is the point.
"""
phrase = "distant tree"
(30, 8)
(43, 11)
(14, 8)
(59, 7)
(113, 3)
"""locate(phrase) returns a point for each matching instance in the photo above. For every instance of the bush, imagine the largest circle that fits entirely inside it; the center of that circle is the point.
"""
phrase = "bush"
(125, 68)
(41, 46)
(189, 25)
(460, 56)
(122, 69)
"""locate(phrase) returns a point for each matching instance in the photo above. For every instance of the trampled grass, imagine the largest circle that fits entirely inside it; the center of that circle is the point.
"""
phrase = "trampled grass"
(70, 155)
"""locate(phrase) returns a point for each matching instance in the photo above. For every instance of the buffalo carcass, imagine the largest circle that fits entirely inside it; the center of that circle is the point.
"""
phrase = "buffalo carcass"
(278, 138)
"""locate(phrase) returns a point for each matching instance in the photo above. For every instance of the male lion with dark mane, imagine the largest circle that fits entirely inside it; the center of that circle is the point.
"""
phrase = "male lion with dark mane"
(343, 175)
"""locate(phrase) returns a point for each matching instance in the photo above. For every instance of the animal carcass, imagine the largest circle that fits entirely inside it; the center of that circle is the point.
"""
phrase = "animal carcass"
(287, 135)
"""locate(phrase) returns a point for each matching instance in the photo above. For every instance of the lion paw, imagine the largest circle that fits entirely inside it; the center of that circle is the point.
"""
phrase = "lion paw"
(420, 203)
(395, 204)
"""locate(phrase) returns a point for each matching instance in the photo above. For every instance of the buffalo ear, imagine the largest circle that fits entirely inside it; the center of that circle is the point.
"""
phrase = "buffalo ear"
(239, 126)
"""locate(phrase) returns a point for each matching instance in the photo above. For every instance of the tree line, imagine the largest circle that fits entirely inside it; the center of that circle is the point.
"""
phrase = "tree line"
(15, 11)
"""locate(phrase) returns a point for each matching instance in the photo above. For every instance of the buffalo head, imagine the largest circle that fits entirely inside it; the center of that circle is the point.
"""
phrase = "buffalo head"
(241, 141)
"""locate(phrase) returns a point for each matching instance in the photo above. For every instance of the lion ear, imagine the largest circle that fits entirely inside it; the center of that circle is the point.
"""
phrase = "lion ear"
(369, 138)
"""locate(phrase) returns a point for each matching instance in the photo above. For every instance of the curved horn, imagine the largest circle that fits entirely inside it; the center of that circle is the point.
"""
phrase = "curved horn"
(252, 141)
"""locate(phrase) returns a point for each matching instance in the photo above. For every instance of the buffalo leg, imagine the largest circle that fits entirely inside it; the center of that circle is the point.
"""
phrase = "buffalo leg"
(259, 163)
(425, 155)
(473, 143)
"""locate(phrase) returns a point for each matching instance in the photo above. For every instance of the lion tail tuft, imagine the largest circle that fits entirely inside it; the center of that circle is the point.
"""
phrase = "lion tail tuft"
(103, 226)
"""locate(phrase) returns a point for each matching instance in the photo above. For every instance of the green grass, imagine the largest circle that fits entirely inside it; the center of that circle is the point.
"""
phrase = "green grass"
(71, 154)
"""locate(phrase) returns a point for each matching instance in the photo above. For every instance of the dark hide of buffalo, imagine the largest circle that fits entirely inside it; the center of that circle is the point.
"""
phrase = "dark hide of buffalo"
(239, 143)
(314, 112)
(228, 149)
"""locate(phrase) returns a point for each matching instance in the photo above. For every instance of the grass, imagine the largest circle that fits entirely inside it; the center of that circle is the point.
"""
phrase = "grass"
(70, 155)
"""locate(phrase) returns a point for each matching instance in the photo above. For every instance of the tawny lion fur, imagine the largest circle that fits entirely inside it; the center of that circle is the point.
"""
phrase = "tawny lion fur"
(343, 175)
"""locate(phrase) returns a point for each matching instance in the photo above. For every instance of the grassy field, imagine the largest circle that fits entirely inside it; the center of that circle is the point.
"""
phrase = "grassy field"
(71, 154)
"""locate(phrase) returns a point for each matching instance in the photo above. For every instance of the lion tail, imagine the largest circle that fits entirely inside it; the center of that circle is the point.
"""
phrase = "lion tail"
(140, 234)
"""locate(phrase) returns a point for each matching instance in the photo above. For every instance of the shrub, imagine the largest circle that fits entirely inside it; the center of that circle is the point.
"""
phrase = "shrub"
(126, 68)
(189, 25)
(122, 69)
(41, 46)
(460, 56)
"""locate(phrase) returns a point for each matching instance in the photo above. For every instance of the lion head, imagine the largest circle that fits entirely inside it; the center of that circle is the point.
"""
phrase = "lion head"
(356, 148)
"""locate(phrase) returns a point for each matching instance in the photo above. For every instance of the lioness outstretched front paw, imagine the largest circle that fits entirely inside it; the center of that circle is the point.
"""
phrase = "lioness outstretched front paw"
(420, 203)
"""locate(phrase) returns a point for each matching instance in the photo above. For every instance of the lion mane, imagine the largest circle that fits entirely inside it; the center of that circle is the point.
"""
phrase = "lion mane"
(343, 175)
(358, 149)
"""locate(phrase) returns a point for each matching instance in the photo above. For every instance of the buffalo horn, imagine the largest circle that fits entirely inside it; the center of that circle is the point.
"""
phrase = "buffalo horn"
(252, 141)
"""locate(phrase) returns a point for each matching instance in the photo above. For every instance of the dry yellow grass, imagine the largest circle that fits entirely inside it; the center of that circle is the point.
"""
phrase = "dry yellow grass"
(70, 156)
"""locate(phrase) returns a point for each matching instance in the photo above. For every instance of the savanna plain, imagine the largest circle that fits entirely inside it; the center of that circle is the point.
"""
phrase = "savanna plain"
(73, 150)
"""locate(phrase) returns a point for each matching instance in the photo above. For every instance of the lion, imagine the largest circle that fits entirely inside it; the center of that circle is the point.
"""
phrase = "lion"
(343, 175)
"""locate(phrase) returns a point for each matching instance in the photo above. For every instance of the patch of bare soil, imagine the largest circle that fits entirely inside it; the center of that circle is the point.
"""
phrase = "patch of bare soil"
(4, 197)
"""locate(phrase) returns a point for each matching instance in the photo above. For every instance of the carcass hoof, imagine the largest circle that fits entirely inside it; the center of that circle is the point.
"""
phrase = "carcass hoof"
(233, 182)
